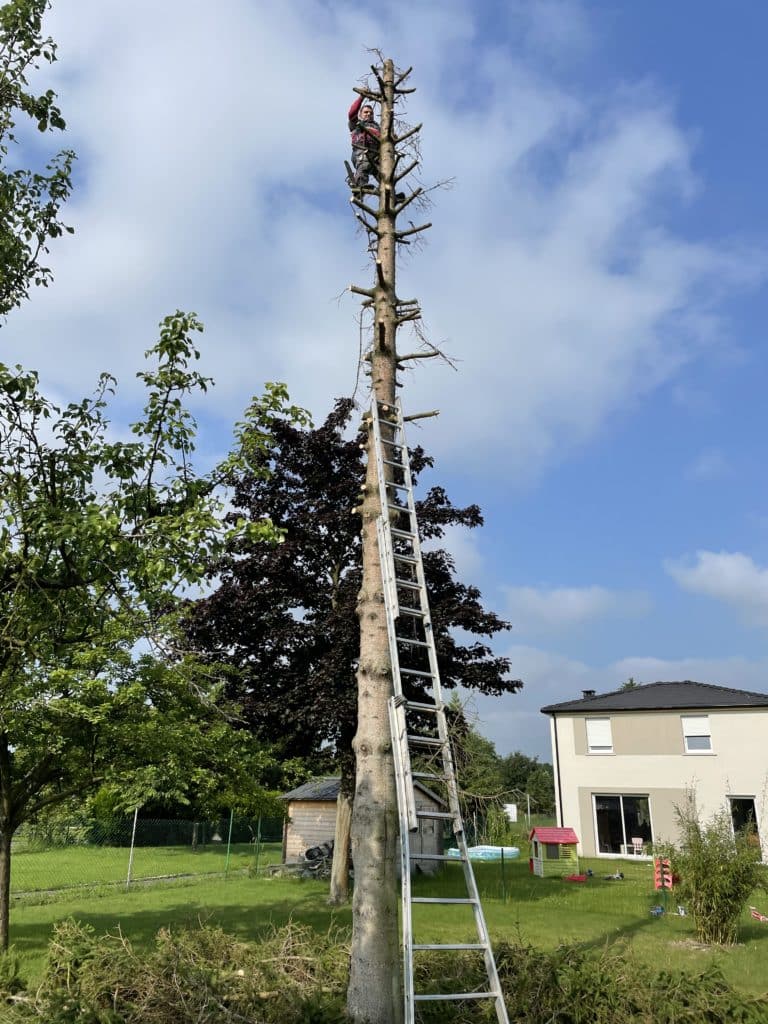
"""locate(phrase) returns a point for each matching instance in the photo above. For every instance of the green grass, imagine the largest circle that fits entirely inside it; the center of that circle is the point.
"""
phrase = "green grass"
(543, 912)
(64, 867)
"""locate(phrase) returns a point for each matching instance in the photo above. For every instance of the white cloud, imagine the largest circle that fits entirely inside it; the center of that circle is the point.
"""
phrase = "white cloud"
(211, 152)
(514, 722)
(553, 609)
(728, 576)
(710, 464)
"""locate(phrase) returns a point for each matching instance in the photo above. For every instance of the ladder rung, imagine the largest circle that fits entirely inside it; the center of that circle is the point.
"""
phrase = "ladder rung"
(450, 945)
(413, 643)
(402, 533)
(442, 899)
(416, 612)
(416, 672)
(398, 508)
(409, 559)
(395, 444)
(436, 856)
(391, 483)
(391, 462)
(441, 815)
(410, 584)
(433, 997)
(414, 705)
(425, 741)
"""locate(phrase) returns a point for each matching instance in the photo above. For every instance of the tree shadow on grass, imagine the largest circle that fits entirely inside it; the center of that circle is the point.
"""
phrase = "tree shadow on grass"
(248, 921)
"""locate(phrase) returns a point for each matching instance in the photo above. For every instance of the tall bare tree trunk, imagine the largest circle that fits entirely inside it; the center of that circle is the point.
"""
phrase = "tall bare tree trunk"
(375, 985)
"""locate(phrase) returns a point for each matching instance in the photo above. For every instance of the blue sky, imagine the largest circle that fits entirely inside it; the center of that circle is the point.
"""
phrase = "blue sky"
(598, 270)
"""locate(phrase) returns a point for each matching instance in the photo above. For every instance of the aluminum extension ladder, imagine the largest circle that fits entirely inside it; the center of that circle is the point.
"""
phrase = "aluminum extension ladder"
(419, 730)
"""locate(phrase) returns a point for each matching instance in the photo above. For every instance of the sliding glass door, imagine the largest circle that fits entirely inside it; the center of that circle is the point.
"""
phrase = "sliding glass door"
(619, 819)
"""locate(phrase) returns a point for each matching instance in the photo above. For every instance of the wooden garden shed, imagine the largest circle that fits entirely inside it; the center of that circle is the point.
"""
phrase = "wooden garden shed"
(311, 821)
(553, 851)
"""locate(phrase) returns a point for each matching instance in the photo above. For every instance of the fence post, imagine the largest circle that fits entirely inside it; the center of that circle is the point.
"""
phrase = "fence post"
(258, 847)
(229, 840)
(133, 842)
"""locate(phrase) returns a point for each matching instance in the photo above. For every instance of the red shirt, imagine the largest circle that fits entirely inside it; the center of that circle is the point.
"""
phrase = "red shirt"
(362, 138)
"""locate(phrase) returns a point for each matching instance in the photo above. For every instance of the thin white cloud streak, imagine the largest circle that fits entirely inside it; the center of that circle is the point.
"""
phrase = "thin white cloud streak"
(211, 152)
(710, 464)
(728, 576)
(535, 610)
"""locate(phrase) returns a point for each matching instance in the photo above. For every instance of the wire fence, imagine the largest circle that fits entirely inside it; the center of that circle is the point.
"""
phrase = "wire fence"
(127, 851)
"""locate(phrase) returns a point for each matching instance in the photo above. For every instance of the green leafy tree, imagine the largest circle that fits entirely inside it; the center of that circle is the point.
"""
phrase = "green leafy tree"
(284, 618)
(96, 537)
(30, 199)
(527, 775)
(719, 871)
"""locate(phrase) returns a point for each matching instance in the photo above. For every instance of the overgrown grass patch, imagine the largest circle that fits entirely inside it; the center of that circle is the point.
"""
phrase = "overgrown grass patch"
(293, 975)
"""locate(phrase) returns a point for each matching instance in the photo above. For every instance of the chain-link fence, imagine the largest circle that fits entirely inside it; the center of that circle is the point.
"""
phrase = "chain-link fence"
(67, 854)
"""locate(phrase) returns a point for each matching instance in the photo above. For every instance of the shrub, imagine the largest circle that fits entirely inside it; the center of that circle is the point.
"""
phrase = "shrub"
(718, 871)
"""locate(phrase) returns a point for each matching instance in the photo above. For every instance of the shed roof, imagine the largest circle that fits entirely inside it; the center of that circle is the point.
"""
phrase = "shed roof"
(327, 789)
(550, 834)
(664, 696)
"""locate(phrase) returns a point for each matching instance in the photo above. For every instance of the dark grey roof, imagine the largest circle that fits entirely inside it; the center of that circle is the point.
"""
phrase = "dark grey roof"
(316, 789)
(661, 696)
(327, 788)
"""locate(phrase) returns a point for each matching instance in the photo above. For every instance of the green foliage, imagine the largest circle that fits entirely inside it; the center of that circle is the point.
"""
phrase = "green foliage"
(29, 199)
(529, 777)
(719, 871)
(203, 976)
(97, 539)
(297, 976)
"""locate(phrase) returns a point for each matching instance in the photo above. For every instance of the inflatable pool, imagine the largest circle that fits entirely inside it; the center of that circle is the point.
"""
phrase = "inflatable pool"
(487, 852)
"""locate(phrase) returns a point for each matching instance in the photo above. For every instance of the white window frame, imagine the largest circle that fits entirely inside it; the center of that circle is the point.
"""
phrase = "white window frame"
(696, 727)
(600, 732)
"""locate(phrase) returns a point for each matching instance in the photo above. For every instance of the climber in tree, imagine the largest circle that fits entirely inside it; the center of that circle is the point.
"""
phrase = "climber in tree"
(365, 134)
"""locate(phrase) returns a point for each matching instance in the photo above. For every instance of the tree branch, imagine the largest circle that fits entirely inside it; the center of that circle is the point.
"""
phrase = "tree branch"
(406, 202)
(413, 231)
(367, 94)
(368, 292)
(402, 174)
(401, 138)
(421, 415)
(402, 77)
(418, 355)
(368, 227)
(361, 205)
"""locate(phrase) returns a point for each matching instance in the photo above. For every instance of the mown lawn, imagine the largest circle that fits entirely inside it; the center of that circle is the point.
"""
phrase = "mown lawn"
(65, 867)
(542, 912)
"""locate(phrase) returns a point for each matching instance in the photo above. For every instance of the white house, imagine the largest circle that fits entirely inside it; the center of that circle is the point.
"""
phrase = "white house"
(624, 761)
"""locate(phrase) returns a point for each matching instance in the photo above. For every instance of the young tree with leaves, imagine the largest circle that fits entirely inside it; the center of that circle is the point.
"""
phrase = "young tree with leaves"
(30, 199)
(96, 538)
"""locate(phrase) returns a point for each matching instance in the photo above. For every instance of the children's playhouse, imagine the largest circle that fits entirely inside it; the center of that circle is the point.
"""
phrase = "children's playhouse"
(553, 851)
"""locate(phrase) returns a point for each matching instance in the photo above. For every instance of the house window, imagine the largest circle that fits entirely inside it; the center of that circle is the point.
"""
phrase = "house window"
(553, 851)
(619, 819)
(599, 739)
(696, 735)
